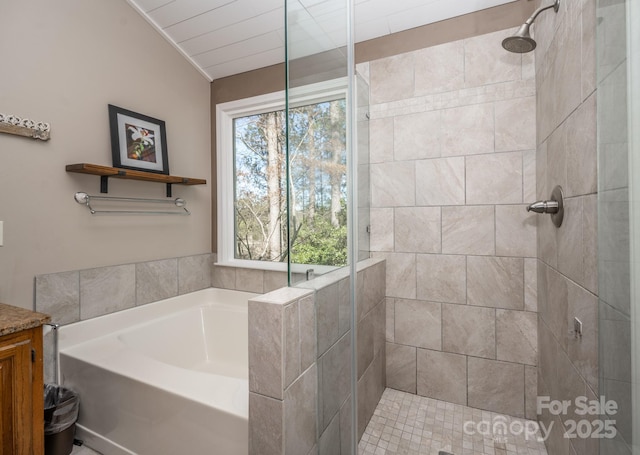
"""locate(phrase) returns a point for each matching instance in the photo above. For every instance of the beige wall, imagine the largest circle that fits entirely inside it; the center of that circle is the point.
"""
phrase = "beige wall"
(62, 63)
(567, 269)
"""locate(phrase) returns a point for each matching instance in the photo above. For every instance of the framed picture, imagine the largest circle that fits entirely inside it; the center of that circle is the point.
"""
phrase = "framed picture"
(138, 141)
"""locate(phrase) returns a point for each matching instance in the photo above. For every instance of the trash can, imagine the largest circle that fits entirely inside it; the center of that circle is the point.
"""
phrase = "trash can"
(60, 414)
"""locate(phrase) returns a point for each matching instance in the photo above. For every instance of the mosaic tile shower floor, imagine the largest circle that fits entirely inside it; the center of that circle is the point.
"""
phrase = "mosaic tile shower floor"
(409, 424)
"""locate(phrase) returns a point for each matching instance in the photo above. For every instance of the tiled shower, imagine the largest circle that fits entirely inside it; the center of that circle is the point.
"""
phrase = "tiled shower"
(481, 295)
(453, 166)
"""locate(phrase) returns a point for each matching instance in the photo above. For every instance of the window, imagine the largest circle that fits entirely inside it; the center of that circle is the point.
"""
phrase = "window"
(252, 180)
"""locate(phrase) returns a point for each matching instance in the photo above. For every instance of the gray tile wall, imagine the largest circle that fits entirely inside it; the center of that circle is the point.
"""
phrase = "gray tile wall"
(84, 294)
(453, 163)
(371, 348)
(249, 280)
(300, 363)
(566, 156)
(283, 373)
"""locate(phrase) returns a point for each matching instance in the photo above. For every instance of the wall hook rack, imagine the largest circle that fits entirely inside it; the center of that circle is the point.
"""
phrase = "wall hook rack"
(85, 199)
(12, 124)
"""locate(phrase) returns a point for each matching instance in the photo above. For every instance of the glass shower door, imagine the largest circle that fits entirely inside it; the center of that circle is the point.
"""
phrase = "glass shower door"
(317, 113)
(618, 72)
(322, 202)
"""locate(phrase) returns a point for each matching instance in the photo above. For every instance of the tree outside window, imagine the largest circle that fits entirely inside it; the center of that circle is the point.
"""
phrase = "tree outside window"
(317, 178)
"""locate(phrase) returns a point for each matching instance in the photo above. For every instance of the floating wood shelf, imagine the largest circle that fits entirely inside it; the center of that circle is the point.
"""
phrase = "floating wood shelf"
(106, 171)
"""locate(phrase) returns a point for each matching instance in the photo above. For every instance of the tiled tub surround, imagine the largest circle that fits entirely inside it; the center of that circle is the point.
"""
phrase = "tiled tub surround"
(84, 294)
(300, 363)
(249, 280)
(453, 164)
(566, 156)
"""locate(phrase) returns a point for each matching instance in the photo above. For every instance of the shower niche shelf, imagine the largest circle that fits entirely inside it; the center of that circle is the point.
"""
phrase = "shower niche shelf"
(106, 172)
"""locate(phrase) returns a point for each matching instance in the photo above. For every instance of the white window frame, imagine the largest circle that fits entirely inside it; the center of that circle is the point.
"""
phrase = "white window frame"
(226, 113)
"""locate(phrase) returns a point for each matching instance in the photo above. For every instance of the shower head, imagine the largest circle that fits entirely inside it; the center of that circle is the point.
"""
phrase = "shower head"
(522, 42)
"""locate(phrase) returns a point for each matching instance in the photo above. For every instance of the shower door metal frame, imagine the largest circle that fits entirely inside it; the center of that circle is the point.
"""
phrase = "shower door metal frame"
(633, 99)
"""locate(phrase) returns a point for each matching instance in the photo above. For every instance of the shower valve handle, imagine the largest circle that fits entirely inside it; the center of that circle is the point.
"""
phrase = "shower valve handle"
(543, 207)
(554, 206)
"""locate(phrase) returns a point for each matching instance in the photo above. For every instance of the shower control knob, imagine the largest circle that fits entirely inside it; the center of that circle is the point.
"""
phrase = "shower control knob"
(543, 207)
(554, 206)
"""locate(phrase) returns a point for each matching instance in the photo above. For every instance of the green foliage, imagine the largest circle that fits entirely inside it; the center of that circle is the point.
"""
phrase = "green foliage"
(320, 243)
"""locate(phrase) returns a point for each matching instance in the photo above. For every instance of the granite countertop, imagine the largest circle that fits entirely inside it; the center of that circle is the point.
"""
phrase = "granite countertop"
(14, 319)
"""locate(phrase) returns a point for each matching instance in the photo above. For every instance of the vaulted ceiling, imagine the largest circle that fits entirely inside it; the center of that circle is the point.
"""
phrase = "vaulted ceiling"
(225, 37)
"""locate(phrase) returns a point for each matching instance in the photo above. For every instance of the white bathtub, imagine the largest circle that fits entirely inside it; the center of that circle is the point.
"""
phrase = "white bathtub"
(169, 377)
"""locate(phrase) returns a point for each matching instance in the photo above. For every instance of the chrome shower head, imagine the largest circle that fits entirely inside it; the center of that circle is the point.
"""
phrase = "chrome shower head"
(522, 42)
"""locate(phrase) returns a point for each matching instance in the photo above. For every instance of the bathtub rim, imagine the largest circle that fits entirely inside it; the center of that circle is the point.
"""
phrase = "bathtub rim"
(75, 333)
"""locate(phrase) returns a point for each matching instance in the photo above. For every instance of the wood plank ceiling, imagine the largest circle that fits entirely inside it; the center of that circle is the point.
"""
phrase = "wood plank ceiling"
(226, 37)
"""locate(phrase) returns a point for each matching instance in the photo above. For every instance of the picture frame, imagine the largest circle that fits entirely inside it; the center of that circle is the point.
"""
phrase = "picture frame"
(138, 142)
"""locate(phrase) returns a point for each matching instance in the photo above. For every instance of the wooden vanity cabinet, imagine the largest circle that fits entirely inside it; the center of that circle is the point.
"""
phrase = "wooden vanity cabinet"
(21, 393)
